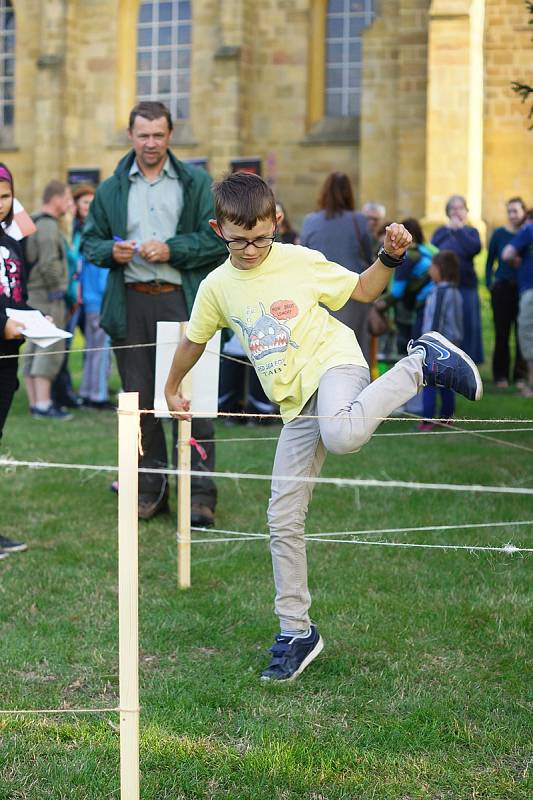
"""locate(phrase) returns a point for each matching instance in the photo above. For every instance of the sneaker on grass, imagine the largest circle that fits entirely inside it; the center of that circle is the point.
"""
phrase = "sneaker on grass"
(52, 412)
(446, 365)
(292, 654)
(9, 546)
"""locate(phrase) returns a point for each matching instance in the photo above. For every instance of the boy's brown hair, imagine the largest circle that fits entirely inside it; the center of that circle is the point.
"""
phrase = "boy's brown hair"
(244, 199)
(448, 265)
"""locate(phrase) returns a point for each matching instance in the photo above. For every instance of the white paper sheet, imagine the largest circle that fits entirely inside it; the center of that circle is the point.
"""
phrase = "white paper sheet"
(204, 374)
(38, 329)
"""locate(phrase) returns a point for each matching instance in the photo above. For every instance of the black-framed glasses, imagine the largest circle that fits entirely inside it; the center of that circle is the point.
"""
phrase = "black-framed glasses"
(242, 244)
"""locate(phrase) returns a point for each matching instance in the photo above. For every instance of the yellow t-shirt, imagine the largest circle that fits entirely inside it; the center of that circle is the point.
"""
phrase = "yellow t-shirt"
(274, 309)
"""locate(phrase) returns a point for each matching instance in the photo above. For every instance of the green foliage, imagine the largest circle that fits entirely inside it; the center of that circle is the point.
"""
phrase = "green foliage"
(523, 90)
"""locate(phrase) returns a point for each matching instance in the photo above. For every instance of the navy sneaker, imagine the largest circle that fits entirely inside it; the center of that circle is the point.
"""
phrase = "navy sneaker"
(52, 412)
(9, 546)
(292, 654)
(446, 365)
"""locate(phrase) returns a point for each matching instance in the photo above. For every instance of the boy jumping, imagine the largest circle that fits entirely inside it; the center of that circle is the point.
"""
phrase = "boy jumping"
(310, 364)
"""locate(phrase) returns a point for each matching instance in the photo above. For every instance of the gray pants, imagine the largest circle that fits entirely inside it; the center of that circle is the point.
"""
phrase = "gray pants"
(348, 406)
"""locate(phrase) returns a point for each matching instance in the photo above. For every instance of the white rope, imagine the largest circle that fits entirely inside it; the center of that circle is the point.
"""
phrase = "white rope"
(238, 536)
(411, 418)
(452, 432)
(253, 538)
(16, 712)
(379, 531)
(507, 548)
(341, 482)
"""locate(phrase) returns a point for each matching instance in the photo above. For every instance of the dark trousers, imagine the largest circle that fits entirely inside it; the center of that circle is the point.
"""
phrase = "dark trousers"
(8, 386)
(63, 392)
(137, 372)
(504, 299)
(239, 389)
(429, 402)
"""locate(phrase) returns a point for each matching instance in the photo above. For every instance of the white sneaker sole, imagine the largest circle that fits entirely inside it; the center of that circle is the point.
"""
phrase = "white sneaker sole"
(19, 548)
(450, 346)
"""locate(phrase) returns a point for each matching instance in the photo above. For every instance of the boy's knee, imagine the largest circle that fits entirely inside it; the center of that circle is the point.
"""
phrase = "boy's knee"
(340, 445)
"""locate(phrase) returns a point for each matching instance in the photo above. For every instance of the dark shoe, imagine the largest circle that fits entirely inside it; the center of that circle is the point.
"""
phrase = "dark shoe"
(9, 546)
(202, 516)
(102, 405)
(446, 365)
(151, 504)
(51, 413)
(292, 654)
(73, 401)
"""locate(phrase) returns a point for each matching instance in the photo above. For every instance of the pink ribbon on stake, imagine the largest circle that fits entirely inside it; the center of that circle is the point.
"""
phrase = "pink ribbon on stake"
(200, 450)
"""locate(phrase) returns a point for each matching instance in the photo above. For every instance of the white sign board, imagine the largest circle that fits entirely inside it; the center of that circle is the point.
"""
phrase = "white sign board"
(204, 374)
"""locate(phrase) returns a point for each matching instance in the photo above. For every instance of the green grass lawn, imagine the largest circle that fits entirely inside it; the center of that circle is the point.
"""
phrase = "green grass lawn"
(421, 691)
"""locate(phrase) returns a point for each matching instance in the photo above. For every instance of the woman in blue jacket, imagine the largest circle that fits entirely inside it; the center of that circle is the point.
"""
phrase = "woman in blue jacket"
(464, 241)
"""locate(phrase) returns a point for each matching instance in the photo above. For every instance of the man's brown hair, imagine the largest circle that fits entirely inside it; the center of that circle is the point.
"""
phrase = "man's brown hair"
(150, 110)
(448, 265)
(244, 199)
(53, 189)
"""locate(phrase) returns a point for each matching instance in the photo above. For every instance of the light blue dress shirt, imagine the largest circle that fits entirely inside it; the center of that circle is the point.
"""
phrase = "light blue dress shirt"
(154, 209)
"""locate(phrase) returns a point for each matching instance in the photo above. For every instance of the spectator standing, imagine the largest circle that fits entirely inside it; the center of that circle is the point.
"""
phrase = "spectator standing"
(47, 285)
(443, 312)
(519, 252)
(92, 284)
(13, 294)
(285, 232)
(341, 234)
(410, 286)
(375, 214)
(63, 393)
(464, 241)
(503, 287)
(149, 223)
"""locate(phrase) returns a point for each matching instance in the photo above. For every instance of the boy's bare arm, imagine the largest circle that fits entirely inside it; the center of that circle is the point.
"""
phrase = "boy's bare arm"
(186, 355)
(374, 279)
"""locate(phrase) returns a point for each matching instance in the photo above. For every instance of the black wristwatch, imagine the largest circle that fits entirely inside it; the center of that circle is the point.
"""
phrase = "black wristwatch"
(389, 261)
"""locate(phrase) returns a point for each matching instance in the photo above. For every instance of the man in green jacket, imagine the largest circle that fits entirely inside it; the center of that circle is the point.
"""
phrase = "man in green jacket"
(149, 223)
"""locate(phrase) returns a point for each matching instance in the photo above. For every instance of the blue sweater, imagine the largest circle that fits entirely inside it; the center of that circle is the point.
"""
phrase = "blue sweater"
(504, 271)
(465, 243)
(523, 244)
(93, 285)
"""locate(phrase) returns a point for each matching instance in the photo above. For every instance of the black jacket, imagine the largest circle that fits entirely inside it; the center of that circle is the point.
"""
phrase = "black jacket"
(13, 287)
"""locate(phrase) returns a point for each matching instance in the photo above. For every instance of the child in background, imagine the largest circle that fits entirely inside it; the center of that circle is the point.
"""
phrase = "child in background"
(272, 296)
(13, 294)
(443, 312)
(94, 390)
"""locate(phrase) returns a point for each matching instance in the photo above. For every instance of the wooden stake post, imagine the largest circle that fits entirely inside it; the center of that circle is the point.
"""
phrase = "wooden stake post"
(184, 505)
(128, 579)
(184, 489)
(200, 386)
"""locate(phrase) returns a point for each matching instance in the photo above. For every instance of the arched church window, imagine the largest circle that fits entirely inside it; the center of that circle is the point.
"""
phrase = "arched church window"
(7, 64)
(164, 34)
(345, 23)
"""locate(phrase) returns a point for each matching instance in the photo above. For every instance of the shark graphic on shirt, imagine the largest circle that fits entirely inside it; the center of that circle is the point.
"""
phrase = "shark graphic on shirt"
(267, 335)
